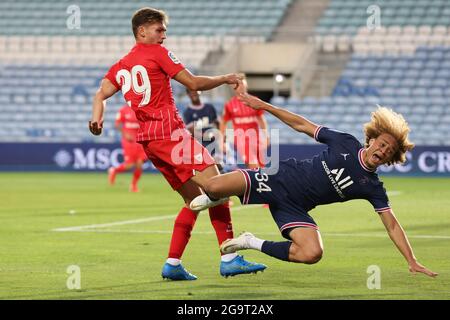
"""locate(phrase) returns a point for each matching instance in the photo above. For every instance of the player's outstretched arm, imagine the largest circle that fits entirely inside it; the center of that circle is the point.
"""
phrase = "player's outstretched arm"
(106, 90)
(400, 239)
(293, 120)
(202, 83)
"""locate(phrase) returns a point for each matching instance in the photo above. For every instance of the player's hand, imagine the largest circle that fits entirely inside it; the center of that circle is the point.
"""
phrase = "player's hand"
(249, 100)
(417, 267)
(234, 79)
(96, 127)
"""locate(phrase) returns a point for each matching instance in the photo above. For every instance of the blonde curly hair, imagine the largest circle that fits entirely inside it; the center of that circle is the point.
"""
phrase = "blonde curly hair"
(385, 120)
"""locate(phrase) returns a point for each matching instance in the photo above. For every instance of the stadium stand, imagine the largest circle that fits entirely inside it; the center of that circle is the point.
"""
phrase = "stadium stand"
(404, 26)
(417, 86)
(50, 72)
(112, 17)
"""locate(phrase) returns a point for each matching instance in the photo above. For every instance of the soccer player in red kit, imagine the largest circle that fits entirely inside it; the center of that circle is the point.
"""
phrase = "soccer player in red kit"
(133, 153)
(249, 125)
(143, 76)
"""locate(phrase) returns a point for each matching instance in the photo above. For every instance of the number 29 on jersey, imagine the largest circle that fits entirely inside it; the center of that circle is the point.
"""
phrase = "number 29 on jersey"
(137, 80)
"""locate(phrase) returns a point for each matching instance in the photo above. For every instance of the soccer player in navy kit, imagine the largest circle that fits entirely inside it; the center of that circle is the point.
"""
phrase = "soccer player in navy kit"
(344, 171)
(201, 119)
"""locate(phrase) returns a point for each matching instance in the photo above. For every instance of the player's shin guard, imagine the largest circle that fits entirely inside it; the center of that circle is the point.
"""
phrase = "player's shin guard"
(182, 228)
(221, 220)
(278, 250)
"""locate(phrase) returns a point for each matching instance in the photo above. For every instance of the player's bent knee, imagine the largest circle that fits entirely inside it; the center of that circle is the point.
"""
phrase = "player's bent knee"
(307, 256)
(314, 257)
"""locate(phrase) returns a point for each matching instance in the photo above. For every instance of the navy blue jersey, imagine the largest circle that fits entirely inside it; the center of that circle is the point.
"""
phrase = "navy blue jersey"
(204, 115)
(337, 174)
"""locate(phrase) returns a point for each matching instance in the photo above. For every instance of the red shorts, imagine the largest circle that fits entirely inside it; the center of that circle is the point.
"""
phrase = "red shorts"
(251, 151)
(133, 152)
(178, 160)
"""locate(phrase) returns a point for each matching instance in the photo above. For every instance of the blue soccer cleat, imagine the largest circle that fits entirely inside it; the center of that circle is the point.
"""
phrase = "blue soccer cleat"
(176, 273)
(239, 266)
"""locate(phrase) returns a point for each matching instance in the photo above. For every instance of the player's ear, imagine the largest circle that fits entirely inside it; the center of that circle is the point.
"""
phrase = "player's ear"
(371, 141)
(141, 31)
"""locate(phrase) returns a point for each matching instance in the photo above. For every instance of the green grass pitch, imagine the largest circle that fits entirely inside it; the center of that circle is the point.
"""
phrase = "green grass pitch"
(123, 239)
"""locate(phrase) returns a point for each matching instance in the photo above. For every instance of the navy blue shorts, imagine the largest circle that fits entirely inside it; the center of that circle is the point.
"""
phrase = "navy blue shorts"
(262, 188)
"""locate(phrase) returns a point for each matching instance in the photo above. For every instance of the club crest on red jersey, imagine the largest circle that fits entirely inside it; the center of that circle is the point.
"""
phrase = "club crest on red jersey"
(173, 58)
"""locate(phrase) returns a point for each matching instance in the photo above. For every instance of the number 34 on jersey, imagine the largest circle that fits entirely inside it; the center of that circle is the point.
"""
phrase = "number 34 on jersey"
(262, 178)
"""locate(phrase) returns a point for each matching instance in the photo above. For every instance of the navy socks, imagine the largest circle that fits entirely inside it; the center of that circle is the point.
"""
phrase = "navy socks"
(278, 250)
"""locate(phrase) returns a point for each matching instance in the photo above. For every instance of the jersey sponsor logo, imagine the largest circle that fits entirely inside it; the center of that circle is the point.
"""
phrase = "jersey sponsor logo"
(344, 182)
(63, 158)
(131, 125)
(245, 120)
(90, 158)
(173, 58)
(337, 179)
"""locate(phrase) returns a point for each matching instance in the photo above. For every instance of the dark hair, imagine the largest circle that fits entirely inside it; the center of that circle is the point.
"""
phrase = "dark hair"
(147, 15)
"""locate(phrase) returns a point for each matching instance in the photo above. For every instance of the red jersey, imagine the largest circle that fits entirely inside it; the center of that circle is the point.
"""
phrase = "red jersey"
(127, 119)
(144, 76)
(242, 116)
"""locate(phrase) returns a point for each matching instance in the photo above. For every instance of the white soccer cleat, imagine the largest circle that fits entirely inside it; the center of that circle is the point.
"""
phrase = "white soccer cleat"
(240, 243)
(204, 202)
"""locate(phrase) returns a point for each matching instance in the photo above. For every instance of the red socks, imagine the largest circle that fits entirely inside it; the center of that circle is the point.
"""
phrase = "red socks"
(181, 232)
(136, 175)
(185, 221)
(221, 220)
(120, 168)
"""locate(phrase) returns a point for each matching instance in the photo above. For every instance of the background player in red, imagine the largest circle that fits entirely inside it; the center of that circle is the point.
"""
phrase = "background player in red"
(249, 144)
(133, 153)
(143, 76)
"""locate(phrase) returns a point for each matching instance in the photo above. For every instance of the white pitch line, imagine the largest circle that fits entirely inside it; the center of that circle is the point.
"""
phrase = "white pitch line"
(356, 235)
(118, 223)
(157, 218)
(136, 221)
